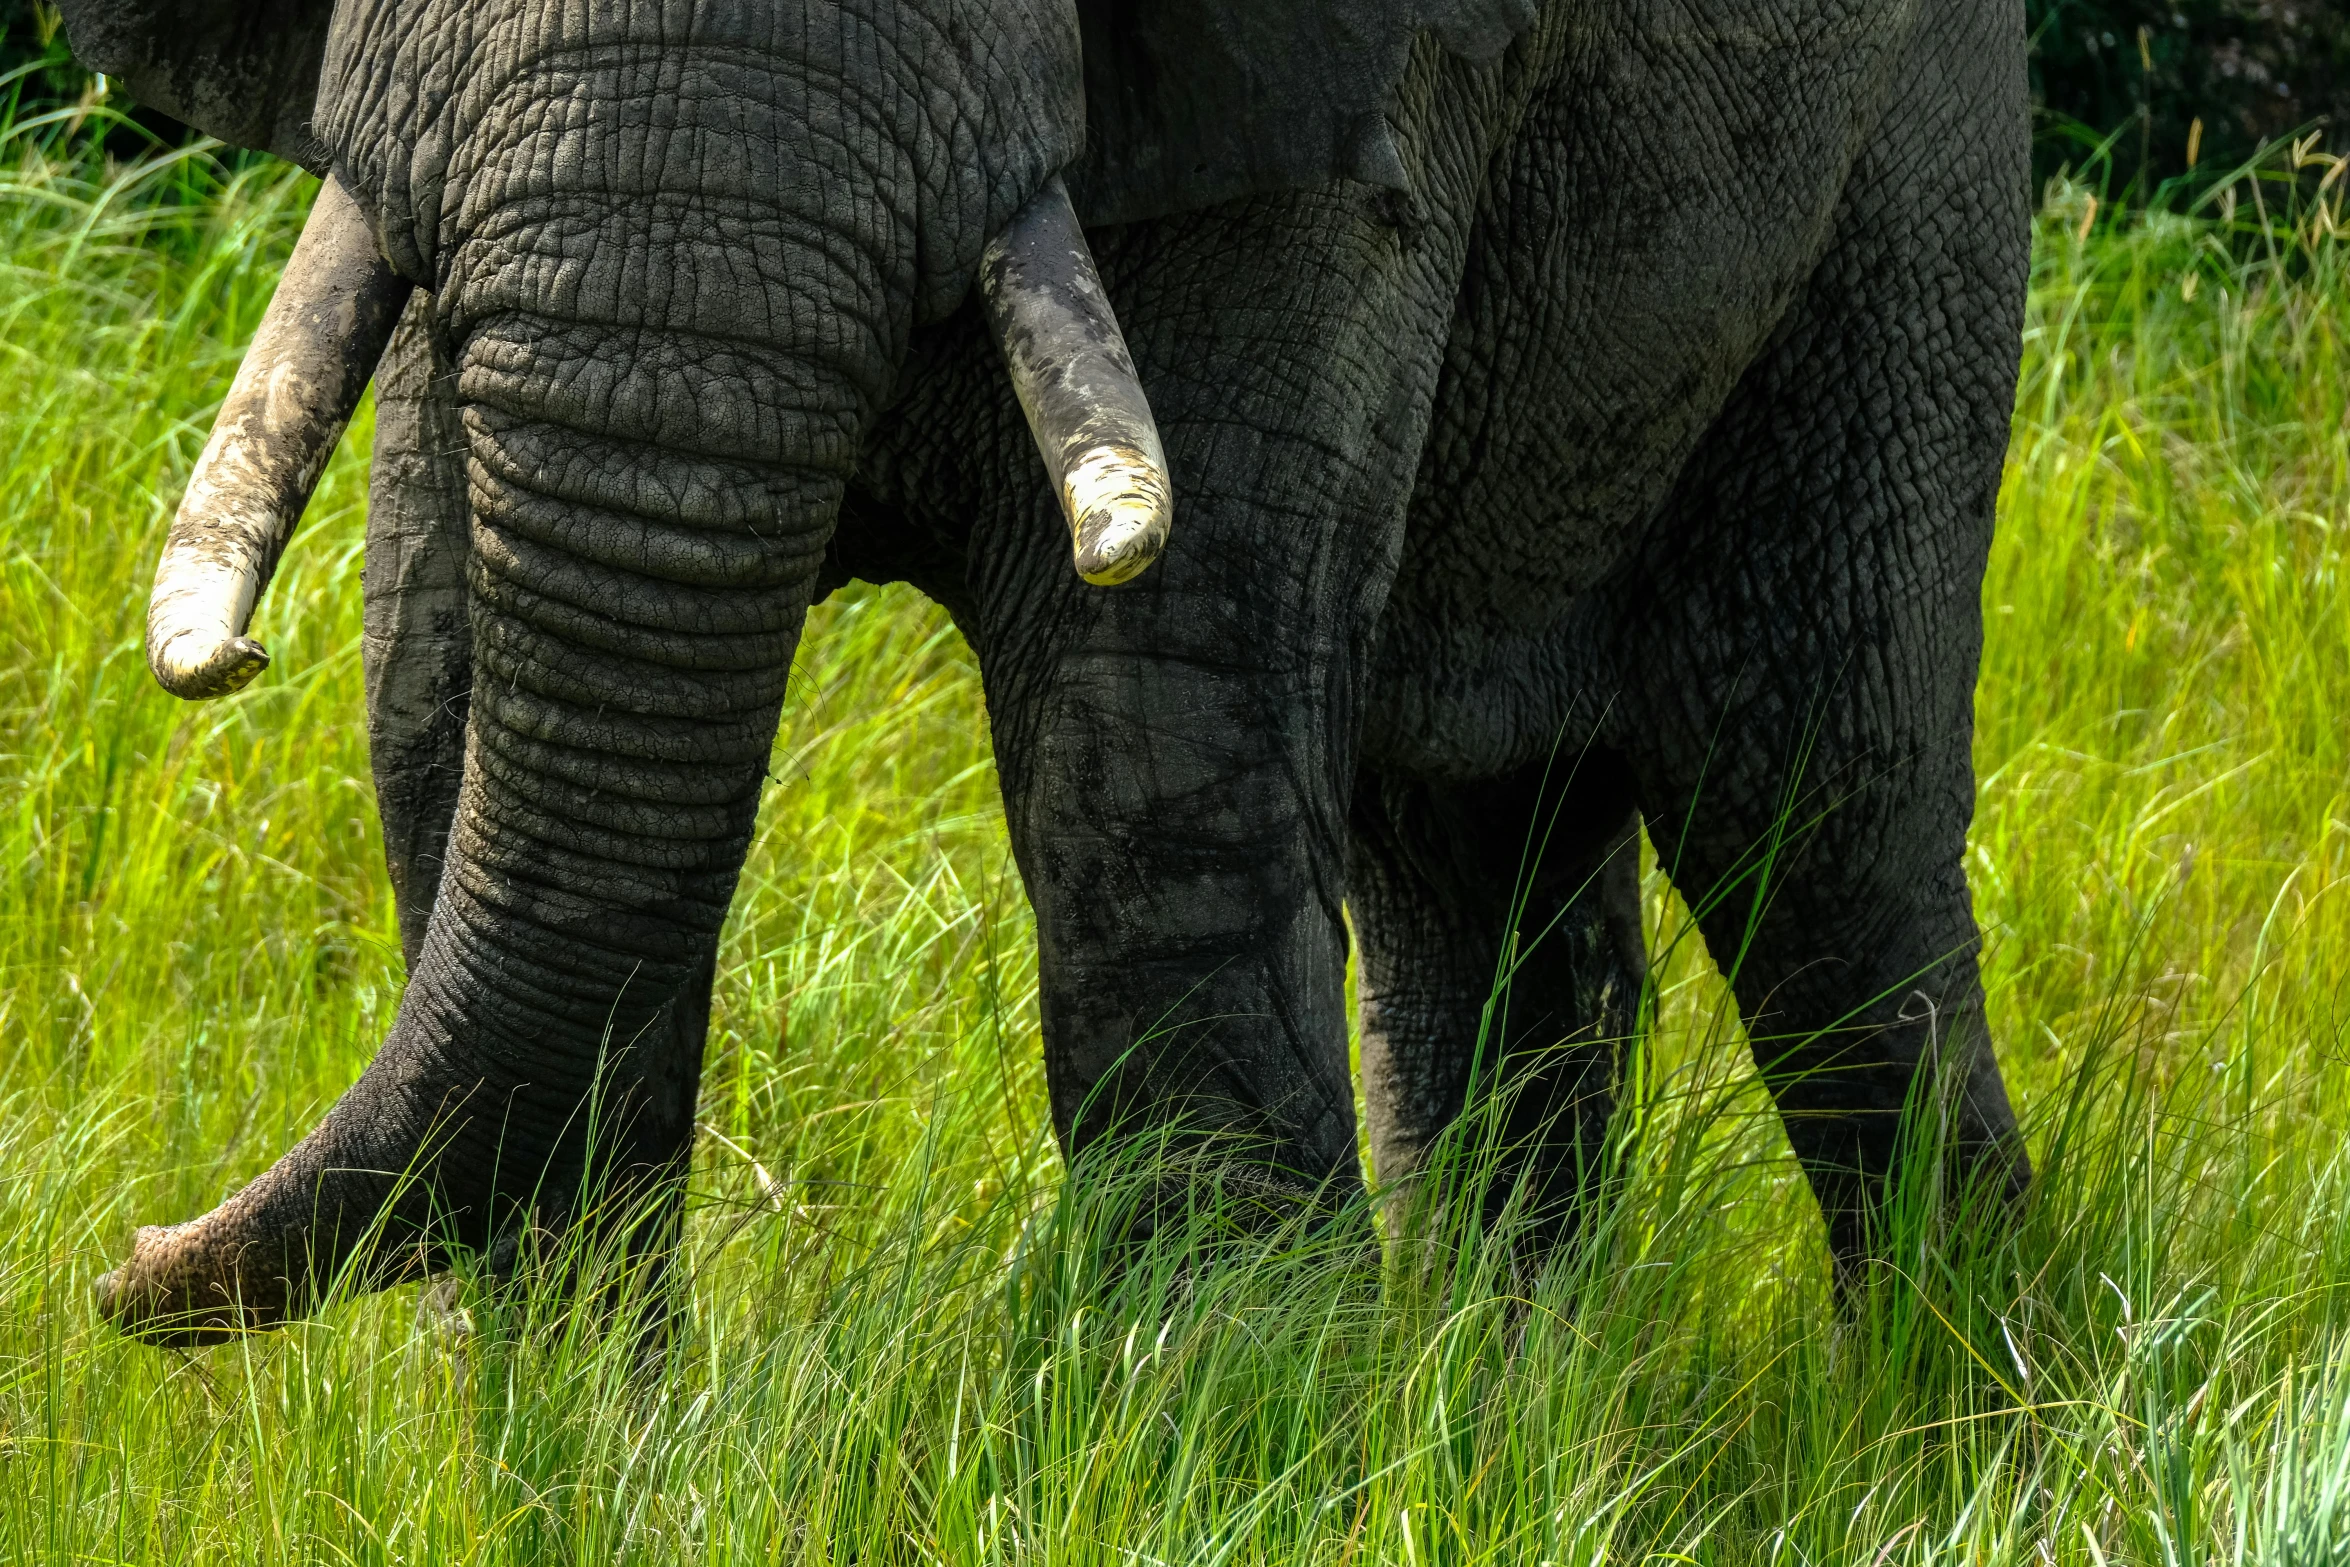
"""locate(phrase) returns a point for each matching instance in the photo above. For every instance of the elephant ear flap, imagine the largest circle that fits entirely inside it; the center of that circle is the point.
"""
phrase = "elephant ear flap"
(1190, 102)
(245, 71)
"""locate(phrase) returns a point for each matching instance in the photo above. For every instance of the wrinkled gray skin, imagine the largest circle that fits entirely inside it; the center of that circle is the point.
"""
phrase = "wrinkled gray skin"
(1634, 461)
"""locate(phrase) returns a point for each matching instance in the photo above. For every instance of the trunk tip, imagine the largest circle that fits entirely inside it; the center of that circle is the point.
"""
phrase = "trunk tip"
(166, 1294)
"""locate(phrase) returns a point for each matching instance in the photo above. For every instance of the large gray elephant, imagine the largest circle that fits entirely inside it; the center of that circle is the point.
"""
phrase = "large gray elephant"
(1575, 415)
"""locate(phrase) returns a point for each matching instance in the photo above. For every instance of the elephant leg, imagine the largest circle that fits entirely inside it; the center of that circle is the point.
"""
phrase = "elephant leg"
(1500, 966)
(1800, 647)
(1178, 753)
(418, 656)
(1181, 839)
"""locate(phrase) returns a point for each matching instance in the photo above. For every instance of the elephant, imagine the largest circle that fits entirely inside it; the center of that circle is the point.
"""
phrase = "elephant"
(1481, 430)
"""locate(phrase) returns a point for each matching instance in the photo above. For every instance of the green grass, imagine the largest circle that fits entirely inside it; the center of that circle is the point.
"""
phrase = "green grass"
(899, 1346)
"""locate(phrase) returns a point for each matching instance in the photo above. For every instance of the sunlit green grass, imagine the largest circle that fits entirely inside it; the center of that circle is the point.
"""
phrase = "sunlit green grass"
(898, 1346)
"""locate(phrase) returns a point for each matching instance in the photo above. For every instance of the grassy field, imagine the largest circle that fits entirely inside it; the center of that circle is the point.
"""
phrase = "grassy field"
(899, 1348)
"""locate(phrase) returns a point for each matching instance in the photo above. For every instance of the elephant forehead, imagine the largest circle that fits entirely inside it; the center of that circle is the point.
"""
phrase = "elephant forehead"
(870, 120)
(629, 121)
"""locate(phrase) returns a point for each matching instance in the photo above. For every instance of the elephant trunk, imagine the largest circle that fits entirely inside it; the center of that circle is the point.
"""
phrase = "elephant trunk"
(325, 329)
(648, 512)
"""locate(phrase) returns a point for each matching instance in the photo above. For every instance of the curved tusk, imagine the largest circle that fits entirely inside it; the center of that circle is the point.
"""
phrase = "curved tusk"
(1077, 385)
(325, 328)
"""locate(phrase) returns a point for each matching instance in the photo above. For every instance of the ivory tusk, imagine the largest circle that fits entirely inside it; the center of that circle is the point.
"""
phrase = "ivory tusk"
(1076, 383)
(325, 328)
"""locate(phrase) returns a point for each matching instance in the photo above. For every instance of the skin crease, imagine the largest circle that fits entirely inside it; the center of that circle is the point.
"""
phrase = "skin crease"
(1635, 464)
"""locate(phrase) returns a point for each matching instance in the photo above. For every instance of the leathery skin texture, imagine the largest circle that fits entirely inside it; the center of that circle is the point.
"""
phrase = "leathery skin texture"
(1636, 464)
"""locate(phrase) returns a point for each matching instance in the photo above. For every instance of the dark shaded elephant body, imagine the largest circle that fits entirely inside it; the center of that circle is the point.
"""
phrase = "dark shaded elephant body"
(1664, 468)
(1614, 438)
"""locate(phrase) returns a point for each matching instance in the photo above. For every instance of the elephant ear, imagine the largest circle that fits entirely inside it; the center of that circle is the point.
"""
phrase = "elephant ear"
(1190, 102)
(245, 71)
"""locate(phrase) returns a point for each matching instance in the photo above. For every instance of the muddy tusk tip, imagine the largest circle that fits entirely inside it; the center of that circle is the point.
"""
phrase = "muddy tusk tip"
(196, 669)
(1076, 383)
(1118, 505)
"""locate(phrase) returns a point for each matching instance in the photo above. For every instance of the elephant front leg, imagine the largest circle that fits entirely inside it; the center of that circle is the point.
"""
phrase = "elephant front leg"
(418, 643)
(1177, 753)
(1178, 841)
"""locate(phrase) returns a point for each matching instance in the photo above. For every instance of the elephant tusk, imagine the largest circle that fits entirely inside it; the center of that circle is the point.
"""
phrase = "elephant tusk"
(1076, 383)
(325, 328)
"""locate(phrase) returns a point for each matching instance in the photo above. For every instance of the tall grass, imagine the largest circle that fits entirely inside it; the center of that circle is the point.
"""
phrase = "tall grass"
(900, 1344)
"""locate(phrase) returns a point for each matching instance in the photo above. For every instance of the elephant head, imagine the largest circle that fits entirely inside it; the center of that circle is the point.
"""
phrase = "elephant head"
(672, 253)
